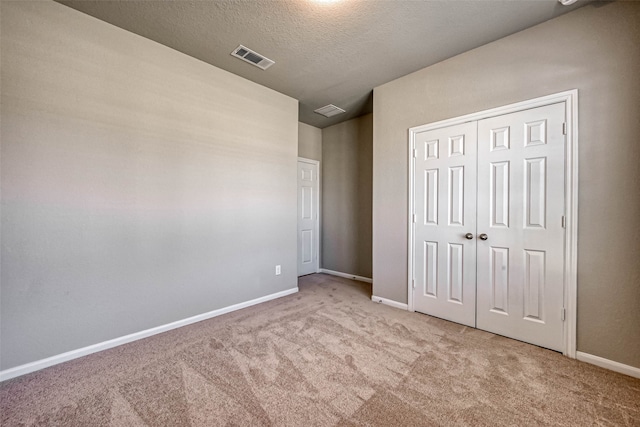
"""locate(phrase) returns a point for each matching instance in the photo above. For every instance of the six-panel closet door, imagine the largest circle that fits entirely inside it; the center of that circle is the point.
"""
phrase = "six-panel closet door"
(445, 223)
(488, 232)
(520, 265)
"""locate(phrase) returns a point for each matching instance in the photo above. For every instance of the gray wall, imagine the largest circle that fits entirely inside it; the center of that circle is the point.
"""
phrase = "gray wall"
(139, 186)
(594, 49)
(347, 161)
(309, 142)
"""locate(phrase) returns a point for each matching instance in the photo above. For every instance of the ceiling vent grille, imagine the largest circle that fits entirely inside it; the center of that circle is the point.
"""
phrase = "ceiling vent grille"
(329, 110)
(252, 57)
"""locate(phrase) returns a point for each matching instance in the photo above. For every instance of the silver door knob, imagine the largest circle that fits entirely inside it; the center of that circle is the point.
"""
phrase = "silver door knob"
(483, 236)
(468, 236)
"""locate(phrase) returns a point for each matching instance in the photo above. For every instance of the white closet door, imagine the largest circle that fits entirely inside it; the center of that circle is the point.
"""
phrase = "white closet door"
(520, 210)
(445, 208)
(308, 217)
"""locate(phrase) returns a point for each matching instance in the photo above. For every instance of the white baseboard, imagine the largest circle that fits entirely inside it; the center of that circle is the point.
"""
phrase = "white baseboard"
(608, 364)
(74, 354)
(346, 275)
(390, 302)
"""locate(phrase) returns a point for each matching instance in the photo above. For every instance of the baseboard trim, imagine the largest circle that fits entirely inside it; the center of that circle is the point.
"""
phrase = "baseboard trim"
(346, 275)
(608, 364)
(74, 354)
(390, 302)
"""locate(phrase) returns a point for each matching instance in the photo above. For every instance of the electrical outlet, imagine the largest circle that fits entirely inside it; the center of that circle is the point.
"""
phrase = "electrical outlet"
(278, 270)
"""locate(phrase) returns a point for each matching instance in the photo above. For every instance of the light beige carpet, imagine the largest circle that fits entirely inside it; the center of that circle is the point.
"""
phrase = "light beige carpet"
(325, 356)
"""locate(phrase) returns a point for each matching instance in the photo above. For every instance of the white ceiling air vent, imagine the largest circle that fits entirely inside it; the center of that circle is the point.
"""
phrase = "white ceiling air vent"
(329, 110)
(252, 57)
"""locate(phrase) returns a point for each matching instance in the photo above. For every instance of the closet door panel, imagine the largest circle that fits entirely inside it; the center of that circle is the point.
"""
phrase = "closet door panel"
(445, 208)
(520, 208)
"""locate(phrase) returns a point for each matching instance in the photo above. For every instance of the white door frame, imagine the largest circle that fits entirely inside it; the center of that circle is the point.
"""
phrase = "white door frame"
(319, 204)
(570, 98)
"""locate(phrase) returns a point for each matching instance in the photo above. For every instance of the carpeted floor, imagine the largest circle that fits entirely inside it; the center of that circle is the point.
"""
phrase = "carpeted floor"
(325, 356)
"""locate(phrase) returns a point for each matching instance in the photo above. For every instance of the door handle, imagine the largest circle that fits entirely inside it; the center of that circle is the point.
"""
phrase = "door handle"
(483, 236)
(468, 236)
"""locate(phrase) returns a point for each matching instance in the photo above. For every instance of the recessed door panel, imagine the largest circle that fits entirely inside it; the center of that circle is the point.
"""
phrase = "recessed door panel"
(455, 279)
(535, 133)
(456, 145)
(431, 149)
(307, 246)
(499, 187)
(430, 278)
(500, 139)
(306, 175)
(535, 192)
(499, 271)
(307, 202)
(534, 285)
(456, 195)
(431, 196)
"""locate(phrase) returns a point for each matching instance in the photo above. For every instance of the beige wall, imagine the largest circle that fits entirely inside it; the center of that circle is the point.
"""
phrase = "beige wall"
(309, 142)
(139, 186)
(346, 196)
(594, 49)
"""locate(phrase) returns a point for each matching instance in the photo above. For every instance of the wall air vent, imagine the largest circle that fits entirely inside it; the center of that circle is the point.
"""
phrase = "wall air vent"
(252, 57)
(329, 110)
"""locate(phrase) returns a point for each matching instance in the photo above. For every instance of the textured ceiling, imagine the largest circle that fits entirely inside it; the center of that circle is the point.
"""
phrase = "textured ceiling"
(325, 52)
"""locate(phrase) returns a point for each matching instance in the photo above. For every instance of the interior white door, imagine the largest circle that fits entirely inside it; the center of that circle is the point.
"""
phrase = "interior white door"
(308, 217)
(520, 262)
(445, 223)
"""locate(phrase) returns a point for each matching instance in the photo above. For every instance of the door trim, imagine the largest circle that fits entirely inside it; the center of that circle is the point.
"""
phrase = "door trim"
(318, 219)
(570, 98)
